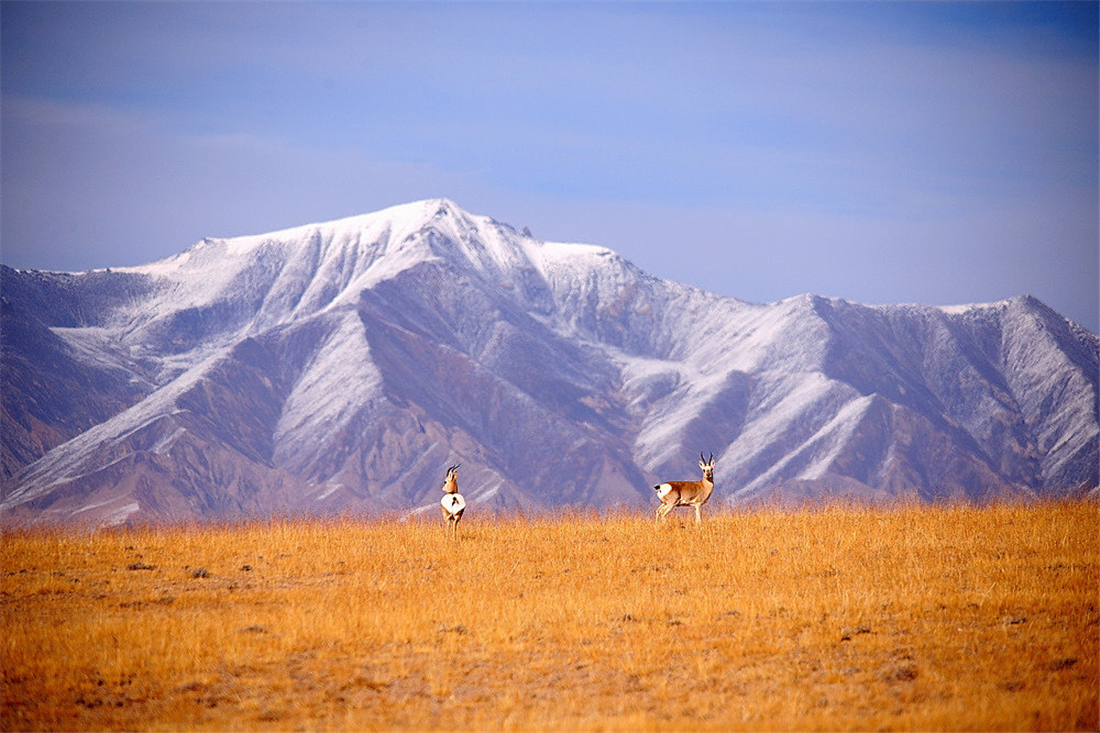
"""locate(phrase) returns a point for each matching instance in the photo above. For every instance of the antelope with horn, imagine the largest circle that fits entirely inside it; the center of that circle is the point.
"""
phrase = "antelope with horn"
(687, 493)
(452, 502)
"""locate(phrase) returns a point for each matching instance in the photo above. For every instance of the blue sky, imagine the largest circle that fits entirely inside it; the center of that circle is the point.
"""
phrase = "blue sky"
(933, 152)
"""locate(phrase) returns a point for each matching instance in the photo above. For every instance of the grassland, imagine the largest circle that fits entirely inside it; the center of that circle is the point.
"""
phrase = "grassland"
(841, 618)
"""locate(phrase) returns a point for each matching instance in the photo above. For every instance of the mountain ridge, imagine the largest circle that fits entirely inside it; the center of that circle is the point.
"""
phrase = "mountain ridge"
(335, 366)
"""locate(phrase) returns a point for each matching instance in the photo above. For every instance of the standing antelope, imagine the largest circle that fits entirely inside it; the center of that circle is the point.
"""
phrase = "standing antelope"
(687, 493)
(452, 502)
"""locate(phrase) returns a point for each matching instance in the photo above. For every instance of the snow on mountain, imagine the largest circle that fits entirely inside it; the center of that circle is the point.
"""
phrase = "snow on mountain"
(341, 366)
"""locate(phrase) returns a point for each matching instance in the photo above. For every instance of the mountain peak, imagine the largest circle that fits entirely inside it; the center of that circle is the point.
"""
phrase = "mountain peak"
(417, 214)
(445, 206)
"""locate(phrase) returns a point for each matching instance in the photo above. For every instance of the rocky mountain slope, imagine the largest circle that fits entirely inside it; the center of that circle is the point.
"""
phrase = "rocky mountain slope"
(343, 366)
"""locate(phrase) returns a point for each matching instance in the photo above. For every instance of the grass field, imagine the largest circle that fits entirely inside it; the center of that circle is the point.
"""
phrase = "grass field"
(839, 618)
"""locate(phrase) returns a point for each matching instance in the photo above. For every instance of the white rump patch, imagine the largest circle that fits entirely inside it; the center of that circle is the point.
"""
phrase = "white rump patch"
(663, 489)
(454, 503)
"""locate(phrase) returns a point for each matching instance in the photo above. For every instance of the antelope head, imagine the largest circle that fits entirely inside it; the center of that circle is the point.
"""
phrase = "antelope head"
(450, 482)
(708, 467)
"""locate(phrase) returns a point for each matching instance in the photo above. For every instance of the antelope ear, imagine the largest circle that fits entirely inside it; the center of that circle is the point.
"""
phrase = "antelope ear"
(702, 465)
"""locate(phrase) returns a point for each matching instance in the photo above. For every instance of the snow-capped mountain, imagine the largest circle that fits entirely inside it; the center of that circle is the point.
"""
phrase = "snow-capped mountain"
(343, 366)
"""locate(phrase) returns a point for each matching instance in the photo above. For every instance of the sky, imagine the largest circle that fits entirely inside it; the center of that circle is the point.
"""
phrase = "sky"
(880, 152)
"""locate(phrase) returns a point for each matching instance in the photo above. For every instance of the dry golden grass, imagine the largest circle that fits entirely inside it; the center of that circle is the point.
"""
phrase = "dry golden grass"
(943, 618)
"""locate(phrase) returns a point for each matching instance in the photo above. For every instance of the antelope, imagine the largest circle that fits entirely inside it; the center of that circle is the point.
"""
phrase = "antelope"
(452, 502)
(687, 493)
